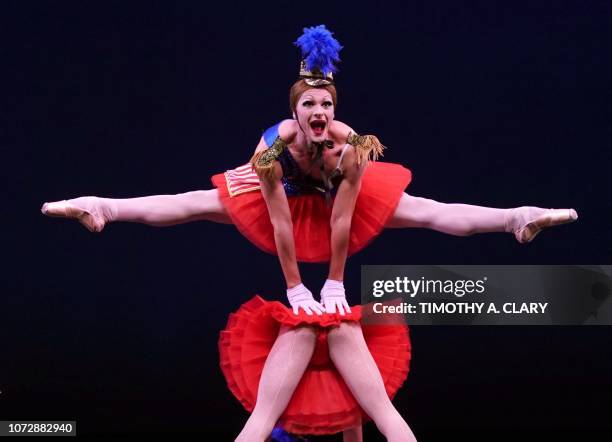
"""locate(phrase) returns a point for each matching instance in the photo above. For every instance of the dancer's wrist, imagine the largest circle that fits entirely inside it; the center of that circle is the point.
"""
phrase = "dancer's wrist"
(297, 290)
(300, 297)
(333, 297)
(332, 289)
(333, 283)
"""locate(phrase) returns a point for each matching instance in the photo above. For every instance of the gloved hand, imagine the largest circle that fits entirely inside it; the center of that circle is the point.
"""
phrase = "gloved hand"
(300, 297)
(332, 296)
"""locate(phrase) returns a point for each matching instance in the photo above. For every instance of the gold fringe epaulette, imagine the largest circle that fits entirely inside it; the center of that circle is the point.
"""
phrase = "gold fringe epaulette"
(367, 147)
(263, 161)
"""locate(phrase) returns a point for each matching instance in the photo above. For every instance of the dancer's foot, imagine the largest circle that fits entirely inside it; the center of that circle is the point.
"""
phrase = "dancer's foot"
(526, 222)
(90, 211)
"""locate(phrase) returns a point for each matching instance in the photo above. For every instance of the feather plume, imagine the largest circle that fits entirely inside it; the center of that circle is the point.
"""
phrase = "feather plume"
(319, 49)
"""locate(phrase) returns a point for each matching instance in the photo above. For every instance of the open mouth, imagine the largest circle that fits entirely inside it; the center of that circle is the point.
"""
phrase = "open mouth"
(318, 127)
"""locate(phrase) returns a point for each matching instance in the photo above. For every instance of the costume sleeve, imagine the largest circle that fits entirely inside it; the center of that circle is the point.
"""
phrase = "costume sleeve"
(262, 162)
(367, 147)
(271, 134)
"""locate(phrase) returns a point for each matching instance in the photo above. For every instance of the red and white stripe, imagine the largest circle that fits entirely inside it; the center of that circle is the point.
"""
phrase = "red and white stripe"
(241, 179)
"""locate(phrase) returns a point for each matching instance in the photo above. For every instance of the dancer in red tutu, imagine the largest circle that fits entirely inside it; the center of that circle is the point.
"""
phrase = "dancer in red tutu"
(301, 371)
(313, 193)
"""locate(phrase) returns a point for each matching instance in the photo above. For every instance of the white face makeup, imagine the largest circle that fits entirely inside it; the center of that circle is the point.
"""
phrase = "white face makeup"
(315, 112)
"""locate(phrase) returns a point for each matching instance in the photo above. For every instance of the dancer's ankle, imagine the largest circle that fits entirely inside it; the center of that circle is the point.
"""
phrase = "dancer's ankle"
(106, 208)
(527, 221)
(517, 218)
(510, 220)
(109, 209)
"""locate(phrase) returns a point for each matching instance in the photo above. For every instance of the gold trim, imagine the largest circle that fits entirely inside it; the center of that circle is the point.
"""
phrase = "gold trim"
(315, 77)
(367, 147)
(263, 161)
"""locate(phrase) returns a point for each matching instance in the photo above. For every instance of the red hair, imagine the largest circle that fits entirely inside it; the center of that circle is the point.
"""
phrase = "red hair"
(300, 86)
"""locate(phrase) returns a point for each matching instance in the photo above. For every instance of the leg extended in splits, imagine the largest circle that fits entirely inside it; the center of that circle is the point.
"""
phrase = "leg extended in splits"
(465, 219)
(156, 210)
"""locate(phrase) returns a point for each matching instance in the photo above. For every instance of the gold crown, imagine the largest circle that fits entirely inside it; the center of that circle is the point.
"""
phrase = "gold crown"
(315, 77)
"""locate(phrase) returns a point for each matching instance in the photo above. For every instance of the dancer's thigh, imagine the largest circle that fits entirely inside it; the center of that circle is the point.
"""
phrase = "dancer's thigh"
(208, 205)
(413, 211)
(297, 341)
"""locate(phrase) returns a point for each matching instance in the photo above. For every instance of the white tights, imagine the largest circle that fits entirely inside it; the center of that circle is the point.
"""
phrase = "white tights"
(286, 364)
(454, 219)
(281, 374)
(167, 210)
(159, 210)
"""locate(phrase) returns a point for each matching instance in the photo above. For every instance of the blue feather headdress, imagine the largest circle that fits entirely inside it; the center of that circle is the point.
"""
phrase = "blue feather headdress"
(319, 52)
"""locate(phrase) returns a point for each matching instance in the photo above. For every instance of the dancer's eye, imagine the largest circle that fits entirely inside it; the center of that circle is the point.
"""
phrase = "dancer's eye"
(307, 103)
(327, 104)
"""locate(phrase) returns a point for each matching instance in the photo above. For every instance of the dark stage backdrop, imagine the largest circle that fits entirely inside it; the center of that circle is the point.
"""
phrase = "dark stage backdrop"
(489, 103)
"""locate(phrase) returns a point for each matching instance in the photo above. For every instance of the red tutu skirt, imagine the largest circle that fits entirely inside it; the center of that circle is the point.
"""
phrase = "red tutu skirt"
(321, 403)
(382, 186)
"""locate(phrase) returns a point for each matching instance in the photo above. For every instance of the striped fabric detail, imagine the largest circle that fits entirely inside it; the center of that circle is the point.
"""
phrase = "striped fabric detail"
(241, 179)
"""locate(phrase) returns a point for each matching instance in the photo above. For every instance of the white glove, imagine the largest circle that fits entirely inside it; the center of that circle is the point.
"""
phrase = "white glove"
(332, 296)
(300, 297)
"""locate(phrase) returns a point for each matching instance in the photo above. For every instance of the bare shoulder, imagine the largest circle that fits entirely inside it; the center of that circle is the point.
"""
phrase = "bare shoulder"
(352, 169)
(288, 130)
(339, 131)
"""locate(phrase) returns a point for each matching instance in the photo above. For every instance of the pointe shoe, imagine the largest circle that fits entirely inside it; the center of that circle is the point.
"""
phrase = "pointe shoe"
(550, 218)
(92, 220)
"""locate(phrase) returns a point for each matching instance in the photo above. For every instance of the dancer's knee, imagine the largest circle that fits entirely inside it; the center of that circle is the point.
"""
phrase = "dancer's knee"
(458, 226)
(449, 218)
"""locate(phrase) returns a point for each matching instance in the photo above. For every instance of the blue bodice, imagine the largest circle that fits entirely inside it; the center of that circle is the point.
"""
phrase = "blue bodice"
(294, 180)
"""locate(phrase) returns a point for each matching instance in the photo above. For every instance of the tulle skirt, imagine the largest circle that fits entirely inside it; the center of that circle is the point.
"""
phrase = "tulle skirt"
(322, 402)
(381, 188)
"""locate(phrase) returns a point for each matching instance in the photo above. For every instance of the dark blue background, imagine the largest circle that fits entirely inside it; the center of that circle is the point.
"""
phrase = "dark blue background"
(491, 103)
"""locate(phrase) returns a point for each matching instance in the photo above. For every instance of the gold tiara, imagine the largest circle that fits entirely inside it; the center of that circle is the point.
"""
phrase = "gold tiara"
(315, 77)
